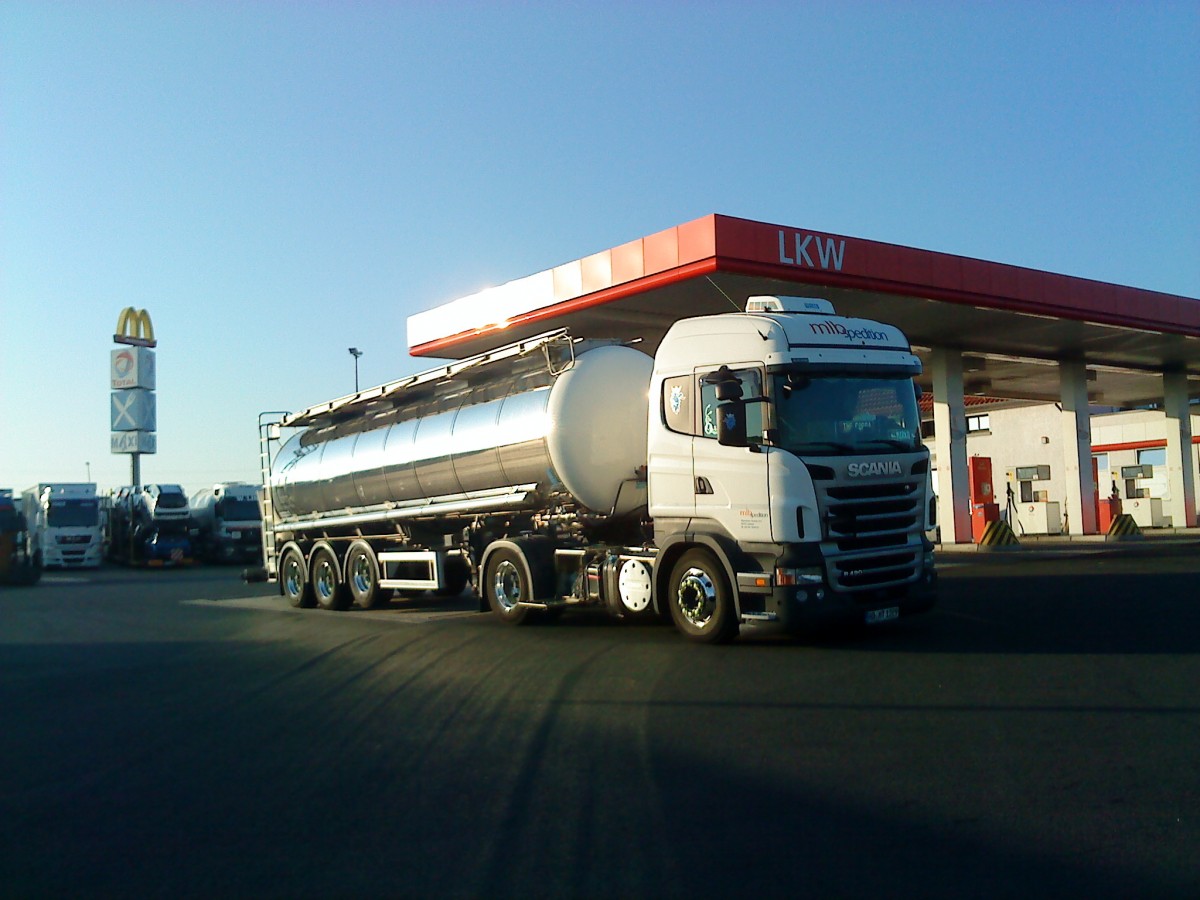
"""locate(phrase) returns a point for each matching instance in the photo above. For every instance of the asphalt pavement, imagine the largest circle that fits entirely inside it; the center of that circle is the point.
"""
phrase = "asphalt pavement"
(182, 734)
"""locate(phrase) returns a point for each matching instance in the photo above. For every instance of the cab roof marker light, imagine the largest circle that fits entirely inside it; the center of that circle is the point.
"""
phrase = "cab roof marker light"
(773, 304)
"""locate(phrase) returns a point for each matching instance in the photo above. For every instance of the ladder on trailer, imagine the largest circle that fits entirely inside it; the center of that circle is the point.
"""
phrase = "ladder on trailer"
(268, 434)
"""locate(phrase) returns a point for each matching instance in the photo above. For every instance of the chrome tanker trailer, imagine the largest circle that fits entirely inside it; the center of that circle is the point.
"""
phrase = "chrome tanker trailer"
(558, 472)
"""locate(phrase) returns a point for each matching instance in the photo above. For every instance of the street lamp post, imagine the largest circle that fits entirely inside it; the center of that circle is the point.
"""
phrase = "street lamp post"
(356, 353)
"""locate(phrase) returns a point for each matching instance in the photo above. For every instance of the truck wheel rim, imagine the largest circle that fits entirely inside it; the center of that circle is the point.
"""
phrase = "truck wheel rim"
(291, 578)
(362, 575)
(506, 585)
(324, 580)
(697, 597)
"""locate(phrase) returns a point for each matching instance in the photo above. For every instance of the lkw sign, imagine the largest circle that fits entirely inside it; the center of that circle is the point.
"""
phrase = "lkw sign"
(801, 248)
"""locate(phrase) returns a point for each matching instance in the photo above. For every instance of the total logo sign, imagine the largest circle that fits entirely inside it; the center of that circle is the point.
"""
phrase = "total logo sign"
(132, 367)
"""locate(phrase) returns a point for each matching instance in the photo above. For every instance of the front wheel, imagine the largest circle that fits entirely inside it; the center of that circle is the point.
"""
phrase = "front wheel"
(506, 586)
(700, 599)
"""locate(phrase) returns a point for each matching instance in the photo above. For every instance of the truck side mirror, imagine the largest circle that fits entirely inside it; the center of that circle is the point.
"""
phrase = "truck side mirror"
(729, 387)
(731, 423)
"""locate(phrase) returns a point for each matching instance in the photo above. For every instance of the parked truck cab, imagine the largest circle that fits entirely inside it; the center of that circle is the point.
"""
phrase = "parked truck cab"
(785, 449)
(148, 525)
(63, 525)
(226, 523)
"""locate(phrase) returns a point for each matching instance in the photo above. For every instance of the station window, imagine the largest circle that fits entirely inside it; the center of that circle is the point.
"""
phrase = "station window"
(1152, 456)
(981, 422)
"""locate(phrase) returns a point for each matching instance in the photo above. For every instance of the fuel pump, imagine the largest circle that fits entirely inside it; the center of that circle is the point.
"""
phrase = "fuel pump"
(1034, 511)
(1146, 510)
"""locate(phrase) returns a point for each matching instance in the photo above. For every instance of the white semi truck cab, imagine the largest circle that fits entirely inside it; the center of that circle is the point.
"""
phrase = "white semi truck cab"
(63, 521)
(786, 441)
(764, 469)
(226, 523)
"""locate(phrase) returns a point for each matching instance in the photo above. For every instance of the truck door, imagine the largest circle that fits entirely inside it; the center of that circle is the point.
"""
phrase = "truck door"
(731, 482)
(672, 491)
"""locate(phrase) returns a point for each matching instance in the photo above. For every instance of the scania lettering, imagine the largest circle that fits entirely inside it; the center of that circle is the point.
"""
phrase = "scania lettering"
(63, 525)
(750, 475)
(859, 470)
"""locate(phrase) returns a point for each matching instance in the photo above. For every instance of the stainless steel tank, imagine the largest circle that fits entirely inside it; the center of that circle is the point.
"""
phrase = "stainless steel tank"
(578, 434)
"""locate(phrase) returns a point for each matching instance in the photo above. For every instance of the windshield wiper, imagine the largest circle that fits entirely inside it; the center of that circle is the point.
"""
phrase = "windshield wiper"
(807, 446)
(890, 442)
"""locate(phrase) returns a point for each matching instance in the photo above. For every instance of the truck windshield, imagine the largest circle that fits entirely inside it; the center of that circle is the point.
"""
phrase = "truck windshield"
(840, 415)
(72, 513)
(237, 510)
(168, 500)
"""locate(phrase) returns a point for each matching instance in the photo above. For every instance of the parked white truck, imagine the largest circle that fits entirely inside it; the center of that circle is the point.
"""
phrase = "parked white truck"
(226, 525)
(764, 468)
(63, 525)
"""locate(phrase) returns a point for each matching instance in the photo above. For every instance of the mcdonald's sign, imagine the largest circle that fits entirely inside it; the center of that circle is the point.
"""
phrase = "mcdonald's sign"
(134, 327)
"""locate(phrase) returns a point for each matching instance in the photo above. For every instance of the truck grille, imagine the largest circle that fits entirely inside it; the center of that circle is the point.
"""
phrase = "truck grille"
(872, 533)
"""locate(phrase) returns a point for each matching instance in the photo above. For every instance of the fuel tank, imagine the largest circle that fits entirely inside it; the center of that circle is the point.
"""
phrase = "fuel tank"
(571, 435)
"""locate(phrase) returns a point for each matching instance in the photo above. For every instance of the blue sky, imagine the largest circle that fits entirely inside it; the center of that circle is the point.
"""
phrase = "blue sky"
(276, 182)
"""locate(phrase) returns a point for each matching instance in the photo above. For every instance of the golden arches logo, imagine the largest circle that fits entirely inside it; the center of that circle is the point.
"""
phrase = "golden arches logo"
(134, 327)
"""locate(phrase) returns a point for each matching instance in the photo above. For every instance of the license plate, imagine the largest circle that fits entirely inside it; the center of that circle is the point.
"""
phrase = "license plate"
(875, 616)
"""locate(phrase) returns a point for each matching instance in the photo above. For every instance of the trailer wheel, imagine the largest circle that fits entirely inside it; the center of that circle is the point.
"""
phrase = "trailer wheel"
(328, 590)
(700, 599)
(293, 579)
(506, 585)
(362, 576)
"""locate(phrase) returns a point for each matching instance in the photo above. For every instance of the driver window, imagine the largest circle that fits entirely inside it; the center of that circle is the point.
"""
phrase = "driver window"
(752, 386)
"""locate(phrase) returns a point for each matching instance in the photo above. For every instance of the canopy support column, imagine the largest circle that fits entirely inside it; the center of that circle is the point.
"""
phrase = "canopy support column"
(1082, 517)
(950, 447)
(1181, 467)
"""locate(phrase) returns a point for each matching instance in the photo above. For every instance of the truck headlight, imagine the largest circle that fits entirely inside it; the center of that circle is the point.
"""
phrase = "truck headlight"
(806, 576)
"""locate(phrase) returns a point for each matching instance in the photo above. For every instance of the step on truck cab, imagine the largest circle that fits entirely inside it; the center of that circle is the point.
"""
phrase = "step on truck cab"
(764, 469)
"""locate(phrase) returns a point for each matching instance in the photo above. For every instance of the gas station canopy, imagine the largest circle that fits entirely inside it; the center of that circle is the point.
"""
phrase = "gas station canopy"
(1013, 325)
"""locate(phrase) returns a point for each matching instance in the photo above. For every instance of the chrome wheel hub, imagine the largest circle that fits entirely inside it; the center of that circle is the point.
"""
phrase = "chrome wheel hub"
(506, 585)
(697, 597)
